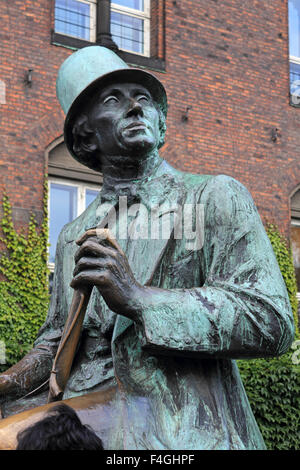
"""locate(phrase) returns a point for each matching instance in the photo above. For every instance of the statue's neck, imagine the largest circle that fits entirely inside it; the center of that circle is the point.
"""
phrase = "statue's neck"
(118, 171)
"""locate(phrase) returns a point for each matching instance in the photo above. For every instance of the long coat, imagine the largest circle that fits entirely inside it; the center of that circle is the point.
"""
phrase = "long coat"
(178, 384)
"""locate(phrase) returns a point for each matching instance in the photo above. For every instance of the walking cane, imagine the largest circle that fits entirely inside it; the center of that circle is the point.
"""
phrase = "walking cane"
(67, 347)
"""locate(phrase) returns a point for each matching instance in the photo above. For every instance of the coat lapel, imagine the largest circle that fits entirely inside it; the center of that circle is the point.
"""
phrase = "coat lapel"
(145, 255)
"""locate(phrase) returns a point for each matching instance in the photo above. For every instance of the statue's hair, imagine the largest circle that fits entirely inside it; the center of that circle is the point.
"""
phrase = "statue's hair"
(85, 144)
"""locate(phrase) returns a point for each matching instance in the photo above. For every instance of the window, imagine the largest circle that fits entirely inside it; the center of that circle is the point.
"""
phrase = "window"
(130, 25)
(76, 18)
(130, 22)
(67, 200)
(72, 188)
(295, 235)
(294, 50)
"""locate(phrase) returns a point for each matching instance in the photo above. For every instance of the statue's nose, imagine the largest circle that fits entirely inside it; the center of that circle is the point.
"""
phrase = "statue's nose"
(134, 108)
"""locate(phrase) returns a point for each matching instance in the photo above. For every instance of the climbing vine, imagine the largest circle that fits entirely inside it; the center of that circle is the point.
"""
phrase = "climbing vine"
(284, 257)
(273, 385)
(24, 274)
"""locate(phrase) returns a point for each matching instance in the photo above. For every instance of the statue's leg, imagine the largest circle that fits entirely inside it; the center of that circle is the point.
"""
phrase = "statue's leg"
(99, 410)
(19, 405)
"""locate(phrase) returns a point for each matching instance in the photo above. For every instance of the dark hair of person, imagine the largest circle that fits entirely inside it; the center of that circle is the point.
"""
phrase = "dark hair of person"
(60, 430)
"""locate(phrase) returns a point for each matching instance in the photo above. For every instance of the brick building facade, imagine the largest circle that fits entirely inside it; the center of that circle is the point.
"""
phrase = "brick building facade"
(225, 66)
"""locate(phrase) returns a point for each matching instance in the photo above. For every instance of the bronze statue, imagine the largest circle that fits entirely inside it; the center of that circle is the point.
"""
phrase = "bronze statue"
(159, 313)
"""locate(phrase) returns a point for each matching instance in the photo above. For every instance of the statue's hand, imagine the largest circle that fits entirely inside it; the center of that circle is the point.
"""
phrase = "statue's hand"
(101, 262)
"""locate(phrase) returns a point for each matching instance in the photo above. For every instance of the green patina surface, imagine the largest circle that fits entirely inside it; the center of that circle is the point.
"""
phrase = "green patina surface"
(180, 387)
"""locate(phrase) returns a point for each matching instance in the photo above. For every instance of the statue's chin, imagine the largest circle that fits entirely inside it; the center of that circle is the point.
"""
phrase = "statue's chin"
(139, 148)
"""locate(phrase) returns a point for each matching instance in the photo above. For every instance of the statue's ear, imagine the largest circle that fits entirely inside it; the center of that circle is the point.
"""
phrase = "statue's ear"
(162, 128)
(84, 138)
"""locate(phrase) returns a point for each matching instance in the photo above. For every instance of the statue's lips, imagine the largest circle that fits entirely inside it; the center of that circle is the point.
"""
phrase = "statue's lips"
(135, 126)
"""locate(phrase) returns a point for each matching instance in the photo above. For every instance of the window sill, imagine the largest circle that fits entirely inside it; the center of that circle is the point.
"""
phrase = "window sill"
(69, 42)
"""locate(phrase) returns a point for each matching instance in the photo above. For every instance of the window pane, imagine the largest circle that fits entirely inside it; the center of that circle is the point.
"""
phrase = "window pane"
(295, 240)
(72, 17)
(136, 4)
(294, 27)
(90, 196)
(295, 78)
(63, 209)
(128, 32)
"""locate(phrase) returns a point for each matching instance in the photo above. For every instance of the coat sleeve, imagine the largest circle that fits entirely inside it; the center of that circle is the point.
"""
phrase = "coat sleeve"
(242, 310)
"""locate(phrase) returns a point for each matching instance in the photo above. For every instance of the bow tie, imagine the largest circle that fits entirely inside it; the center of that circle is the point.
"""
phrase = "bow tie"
(130, 190)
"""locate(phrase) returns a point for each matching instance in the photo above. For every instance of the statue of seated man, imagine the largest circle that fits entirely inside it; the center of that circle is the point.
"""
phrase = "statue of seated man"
(189, 283)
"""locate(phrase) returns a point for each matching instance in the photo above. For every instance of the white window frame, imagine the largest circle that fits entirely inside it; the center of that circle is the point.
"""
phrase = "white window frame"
(296, 223)
(81, 198)
(295, 60)
(93, 15)
(295, 95)
(142, 15)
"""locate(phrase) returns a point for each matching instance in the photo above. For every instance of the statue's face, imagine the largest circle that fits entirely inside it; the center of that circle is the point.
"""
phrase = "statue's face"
(125, 120)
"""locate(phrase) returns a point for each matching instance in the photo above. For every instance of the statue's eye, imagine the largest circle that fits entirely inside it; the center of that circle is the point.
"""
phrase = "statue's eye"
(143, 98)
(110, 100)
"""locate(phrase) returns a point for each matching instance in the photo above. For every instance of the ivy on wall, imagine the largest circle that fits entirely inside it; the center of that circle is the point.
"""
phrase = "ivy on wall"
(284, 257)
(24, 274)
(273, 385)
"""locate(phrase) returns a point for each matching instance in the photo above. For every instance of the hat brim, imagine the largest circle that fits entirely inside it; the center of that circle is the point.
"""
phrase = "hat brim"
(149, 81)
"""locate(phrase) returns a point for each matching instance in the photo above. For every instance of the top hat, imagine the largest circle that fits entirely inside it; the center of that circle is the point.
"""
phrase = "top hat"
(92, 68)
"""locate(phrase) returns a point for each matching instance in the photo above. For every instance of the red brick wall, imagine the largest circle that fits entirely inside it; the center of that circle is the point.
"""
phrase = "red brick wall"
(31, 118)
(226, 60)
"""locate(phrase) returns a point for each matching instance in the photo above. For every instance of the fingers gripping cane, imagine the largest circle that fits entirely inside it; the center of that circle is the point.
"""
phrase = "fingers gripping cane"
(68, 344)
